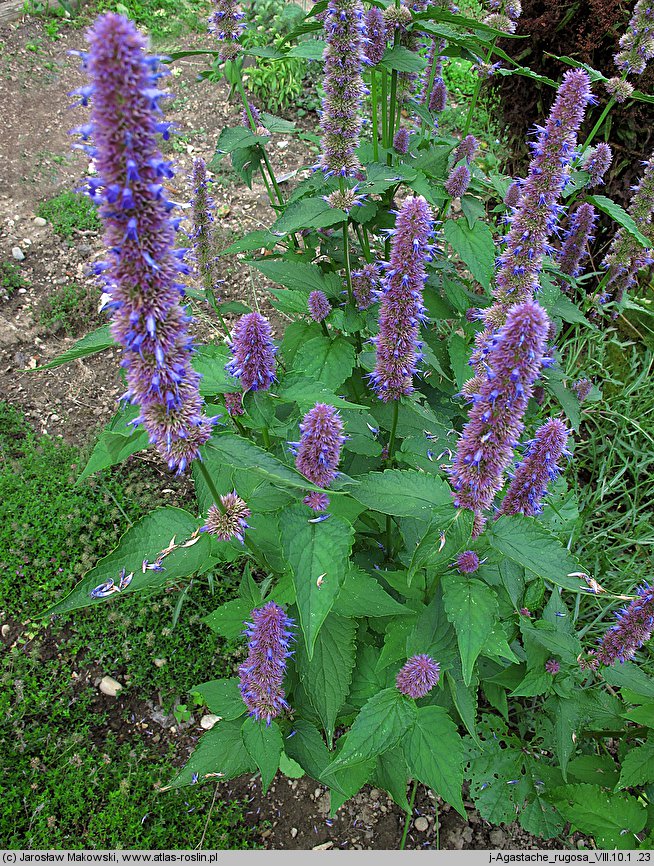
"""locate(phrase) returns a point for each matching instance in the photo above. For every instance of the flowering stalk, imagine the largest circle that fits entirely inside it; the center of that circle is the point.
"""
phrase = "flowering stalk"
(229, 520)
(467, 562)
(496, 416)
(418, 676)
(597, 163)
(253, 353)
(262, 673)
(633, 628)
(319, 450)
(343, 85)
(402, 310)
(149, 321)
(539, 466)
(226, 24)
(637, 44)
(576, 239)
(365, 285)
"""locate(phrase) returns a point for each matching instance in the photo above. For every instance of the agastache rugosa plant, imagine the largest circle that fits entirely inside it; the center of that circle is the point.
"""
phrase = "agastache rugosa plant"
(403, 530)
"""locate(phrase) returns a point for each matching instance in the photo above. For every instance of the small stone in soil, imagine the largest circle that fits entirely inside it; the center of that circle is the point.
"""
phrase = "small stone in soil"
(109, 686)
(39, 221)
(18, 254)
(293, 832)
(421, 824)
(207, 722)
(5, 630)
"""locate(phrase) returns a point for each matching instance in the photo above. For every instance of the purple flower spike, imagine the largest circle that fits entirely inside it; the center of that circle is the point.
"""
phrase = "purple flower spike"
(496, 416)
(343, 85)
(467, 562)
(626, 256)
(319, 307)
(375, 33)
(458, 181)
(234, 403)
(539, 466)
(226, 25)
(402, 310)
(319, 448)
(256, 116)
(365, 284)
(262, 673)
(149, 321)
(434, 73)
(401, 141)
(582, 388)
(637, 44)
(466, 149)
(619, 89)
(438, 96)
(317, 501)
(576, 240)
(552, 666)
(633, 628)
(203, 226)
(597, 163)
(513, 193)
(254, 353)
(537, 211)
(418, 676)
(230, 521)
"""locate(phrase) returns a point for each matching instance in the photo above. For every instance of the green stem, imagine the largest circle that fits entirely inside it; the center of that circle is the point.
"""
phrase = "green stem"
(266, 436)
(324, 328)
(366, 244)
(348, 276)
(373, 98)
(475, 94)
(384, 102)
(389, 463)
(409, 817)
(609, 105)
(391, 114)
(218, 503)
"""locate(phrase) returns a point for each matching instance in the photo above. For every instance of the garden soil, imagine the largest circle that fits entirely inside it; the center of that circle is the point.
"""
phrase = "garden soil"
(73, 402)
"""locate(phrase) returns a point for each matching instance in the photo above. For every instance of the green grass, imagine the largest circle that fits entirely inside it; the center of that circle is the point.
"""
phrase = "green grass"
(163, 19)
(71, 309)
(82, 778)
(11, 279)
(69, 211)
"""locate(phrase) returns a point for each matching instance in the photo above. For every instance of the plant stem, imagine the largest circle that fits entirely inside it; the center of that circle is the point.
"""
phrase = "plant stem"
(408, 818)
(475, 94)
(212, 487)
(391, 114)
(324, 328)
(389, 463)
(609, 105)
(373, 98)
(266, 436)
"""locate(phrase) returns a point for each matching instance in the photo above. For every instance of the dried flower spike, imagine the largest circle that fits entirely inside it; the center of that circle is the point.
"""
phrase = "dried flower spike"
(418, 676)
(262, 673)
(149, 321)
(619, 89)
(582, 388)
(203, 227)
(254, 353)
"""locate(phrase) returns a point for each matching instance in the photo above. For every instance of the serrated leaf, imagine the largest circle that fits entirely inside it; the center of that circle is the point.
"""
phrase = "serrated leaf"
(305, 745)
(472, 608)
(263, 744)
(620, 215)
(565, 715)
(629, 675)
(327, 361)
(403, 60)
(209, 361)
(402, 493)
(310, 49)
(382, 722)
(222, 697)
(638, 766)
(236, 138)
(112, 448)
(524, 541)
(641, 715)
(361, 595)
(318, 555)
(475, 246)
(326, 676)
(595, 769)
(255, 240)
(220, 754)
(306, 392)
(447, 535)
(312, 212)
(392, 774)
(347, 782)
(613, 819)
(434, 754)
(144, 540)
(239, 452)
(91, 344)
(300, 276)
(228, 620)
(541, 818)
(290, 768)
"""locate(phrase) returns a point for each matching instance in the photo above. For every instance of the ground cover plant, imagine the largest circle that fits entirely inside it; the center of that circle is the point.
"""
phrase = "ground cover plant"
(390, 469)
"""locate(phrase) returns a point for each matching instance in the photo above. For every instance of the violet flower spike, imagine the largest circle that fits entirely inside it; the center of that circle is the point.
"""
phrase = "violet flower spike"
(582, 388)
(619, 89)
(637, 44)
(254, 353)
(401, 141)
(319, 307)
(402, 310)
(458, 181)
(149, 321)
(539, 466)
(597, 163)
(418, 676)
(203, 227)
(365, 284)
(513, 193)
(633, 628)
(466, 149)
(375, 36)
(495, 420)
(575, 243)
(341, 107)
(319, 450)
(262, 673)
(226, 24)
(230, 521)
(552, 666)
(467, 562)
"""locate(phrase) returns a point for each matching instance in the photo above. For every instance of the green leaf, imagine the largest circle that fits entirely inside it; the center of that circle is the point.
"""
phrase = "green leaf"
(382, 723)
(300, 276)
(222, 697)
(308, 748)
(630, 676)
(318, 556)
(475, 246)
(348, 782)
(254, 240)
(447, 535)
(263, 744)
(306, 392)
(239, 452)
(642, 715)
(91, 344)
(144, 540)
(290, 768)
(638, 766)
(595, 769)
(221, 754)
(327, 361)
(392, 774)
(236, 138)
(209, 361)
(459, 354)
(434, 754)
(228, 620)
(361, 595)
(472, 608)
(527, 543)
(613, 819)
(403, 60)
(112, 448)
(326, 677)
(315, 213)
(617, 213)
(565, 715)
(311, 49)
(402, 493)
